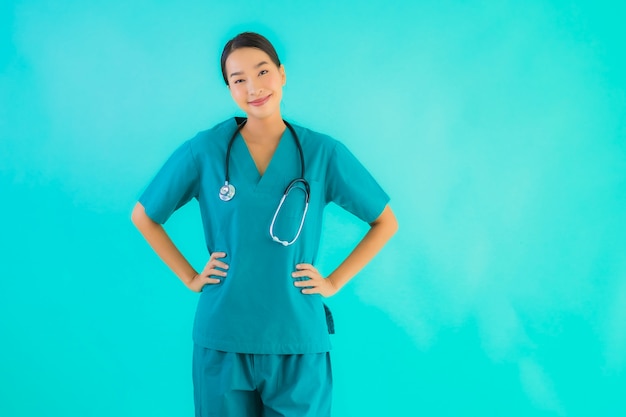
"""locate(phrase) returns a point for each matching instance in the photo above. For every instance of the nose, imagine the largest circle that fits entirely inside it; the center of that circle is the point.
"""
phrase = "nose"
(254, 89)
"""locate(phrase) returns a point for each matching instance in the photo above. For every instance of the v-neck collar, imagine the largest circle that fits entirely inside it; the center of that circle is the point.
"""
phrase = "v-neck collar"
(250, 169)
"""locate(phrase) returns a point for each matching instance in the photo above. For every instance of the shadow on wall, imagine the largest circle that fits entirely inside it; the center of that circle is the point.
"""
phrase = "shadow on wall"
(379, 370)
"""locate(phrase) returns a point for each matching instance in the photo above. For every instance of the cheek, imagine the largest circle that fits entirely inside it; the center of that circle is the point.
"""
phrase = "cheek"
(278, 82)
(238, 94)
(276, 85)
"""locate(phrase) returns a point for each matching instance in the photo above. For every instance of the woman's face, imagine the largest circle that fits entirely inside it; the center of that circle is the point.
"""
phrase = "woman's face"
(255, 82)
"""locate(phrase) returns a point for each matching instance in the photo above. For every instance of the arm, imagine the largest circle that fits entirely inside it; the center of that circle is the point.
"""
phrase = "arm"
(380, 232)
(161, 243)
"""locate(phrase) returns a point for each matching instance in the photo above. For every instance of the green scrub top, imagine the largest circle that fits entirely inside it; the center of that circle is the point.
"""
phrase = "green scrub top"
(256, 308)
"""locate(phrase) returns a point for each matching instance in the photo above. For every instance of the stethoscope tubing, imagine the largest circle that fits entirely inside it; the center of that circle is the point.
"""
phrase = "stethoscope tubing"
(232, 140)
(227, 191)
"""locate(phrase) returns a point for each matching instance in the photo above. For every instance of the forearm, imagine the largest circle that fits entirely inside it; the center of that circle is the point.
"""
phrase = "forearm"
(380, 232)
(161, 243)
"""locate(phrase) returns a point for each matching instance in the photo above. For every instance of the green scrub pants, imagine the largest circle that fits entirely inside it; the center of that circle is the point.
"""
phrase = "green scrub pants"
(249, 385)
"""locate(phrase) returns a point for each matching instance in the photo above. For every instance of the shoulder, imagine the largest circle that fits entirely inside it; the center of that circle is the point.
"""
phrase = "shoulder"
(314, 140)
(211, 143)
(216, 135)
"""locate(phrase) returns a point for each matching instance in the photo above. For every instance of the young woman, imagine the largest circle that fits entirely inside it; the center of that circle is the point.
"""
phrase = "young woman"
(261, 329)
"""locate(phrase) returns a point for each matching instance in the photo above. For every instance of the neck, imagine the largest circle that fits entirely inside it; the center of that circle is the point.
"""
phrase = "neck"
(266, 129)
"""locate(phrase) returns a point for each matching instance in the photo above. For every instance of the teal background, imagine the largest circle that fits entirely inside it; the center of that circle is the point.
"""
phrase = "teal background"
(497, 128)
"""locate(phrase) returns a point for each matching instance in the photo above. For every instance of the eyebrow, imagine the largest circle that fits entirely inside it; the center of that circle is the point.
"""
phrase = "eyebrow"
(256, 66)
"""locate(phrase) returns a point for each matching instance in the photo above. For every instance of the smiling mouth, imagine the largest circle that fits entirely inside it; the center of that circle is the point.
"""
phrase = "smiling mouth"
(260, 102)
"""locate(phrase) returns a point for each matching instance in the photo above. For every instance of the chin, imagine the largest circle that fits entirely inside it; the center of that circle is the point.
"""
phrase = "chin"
(261, 113)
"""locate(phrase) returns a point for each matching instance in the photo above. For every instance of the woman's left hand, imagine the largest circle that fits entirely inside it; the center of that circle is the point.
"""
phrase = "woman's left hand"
(317, 283)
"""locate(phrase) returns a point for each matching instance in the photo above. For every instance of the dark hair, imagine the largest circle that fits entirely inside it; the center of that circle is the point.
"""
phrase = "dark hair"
(248, 40)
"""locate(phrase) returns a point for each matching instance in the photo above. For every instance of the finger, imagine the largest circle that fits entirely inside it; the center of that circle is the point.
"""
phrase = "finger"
(300, 274)
(217, 264)
(217, 272)
(212, 280)
(216, 255)
(309, 291)
(214, 263)
(306, 270)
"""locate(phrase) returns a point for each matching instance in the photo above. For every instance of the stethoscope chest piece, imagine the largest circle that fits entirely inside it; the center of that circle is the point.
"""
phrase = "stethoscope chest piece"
(227, 191)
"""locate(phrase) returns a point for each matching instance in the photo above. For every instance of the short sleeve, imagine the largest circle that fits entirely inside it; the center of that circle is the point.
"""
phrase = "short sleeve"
(174, 185)
(350, 185)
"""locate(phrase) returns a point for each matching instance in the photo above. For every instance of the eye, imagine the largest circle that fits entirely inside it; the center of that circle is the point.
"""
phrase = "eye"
(238, 81)
(263, 72)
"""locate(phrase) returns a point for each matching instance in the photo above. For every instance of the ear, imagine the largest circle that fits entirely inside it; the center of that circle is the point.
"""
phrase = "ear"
(283, 74)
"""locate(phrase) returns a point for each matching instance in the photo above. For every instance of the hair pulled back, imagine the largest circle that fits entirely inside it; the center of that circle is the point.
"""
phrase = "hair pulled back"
(248, 40)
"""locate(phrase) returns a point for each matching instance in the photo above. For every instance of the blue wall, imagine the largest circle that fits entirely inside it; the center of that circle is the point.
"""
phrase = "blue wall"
(498, 128)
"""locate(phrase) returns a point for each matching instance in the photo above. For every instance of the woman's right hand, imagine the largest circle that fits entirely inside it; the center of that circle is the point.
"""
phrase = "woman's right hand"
(203, 278)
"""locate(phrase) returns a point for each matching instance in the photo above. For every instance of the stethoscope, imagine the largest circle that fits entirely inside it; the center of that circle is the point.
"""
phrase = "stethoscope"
(227, 191)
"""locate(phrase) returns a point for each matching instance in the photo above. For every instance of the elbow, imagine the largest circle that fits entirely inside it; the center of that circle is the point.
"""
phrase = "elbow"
(392, 225)
(387, 221)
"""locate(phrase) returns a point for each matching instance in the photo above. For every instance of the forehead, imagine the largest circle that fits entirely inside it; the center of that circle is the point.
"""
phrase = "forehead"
(245, 58)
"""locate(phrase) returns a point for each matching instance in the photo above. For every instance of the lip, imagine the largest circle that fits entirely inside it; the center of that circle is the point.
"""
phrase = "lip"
(260, 101)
